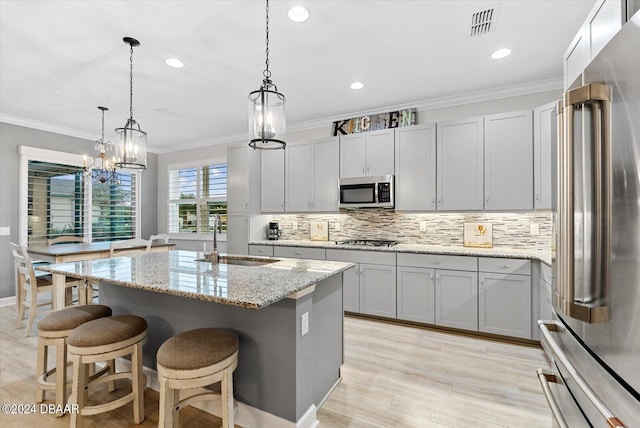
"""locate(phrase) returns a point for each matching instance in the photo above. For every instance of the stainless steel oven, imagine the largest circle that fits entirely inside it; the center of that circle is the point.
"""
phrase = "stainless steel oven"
(367, 192)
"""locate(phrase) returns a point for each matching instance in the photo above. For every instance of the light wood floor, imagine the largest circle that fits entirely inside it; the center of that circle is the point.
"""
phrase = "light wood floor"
(393, 376)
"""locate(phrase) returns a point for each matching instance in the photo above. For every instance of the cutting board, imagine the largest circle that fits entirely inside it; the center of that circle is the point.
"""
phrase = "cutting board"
(479, 235)
(319, 231)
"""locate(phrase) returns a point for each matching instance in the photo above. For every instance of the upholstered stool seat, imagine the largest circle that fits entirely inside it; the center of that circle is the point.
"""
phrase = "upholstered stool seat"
(106, 339)
(193, 359)
(53, 331)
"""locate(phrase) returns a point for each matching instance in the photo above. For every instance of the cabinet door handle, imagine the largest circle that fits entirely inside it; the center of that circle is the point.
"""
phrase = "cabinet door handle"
(436, 262)
(437, 278)
(431, 276)
(503, 266)
(537, 196)
(297, 253)
(433, 201)
(363, 170)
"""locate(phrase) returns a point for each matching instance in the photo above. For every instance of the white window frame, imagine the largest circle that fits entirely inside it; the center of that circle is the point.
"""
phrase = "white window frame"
(27, 154)
(193, 164)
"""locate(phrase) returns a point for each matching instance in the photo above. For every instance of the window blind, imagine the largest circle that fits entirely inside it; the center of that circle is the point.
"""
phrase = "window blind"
(56, 204)
(196, 194)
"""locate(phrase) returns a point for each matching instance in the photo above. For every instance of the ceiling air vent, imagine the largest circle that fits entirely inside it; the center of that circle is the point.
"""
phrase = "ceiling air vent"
(482, 22)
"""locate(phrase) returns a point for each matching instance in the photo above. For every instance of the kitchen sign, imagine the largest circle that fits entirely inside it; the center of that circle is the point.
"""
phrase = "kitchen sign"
(374, 122)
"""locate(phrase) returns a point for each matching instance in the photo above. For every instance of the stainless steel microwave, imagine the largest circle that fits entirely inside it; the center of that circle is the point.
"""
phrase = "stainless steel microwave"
(367, 192)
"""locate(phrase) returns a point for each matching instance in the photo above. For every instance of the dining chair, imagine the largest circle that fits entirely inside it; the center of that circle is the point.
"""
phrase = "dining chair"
(32, 285)
(65, 239)
(160, 237)
(130, 247)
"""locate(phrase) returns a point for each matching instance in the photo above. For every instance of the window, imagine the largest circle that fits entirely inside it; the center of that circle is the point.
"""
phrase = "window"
(58, 199)
(196, 194)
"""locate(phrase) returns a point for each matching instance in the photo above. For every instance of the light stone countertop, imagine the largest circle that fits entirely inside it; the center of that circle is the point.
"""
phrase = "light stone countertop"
(178, 273)
(518, 253)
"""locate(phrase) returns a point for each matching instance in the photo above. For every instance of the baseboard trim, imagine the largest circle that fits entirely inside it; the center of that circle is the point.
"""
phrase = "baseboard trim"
(247, 416)
(7, 301)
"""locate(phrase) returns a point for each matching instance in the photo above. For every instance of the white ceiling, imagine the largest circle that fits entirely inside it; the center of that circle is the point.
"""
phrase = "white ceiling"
(59, 60)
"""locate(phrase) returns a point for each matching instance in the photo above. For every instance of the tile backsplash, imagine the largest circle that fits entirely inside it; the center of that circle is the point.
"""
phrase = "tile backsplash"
(513, 230)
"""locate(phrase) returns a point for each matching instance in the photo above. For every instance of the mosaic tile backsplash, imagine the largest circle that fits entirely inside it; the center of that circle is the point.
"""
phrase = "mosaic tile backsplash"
(512, 230)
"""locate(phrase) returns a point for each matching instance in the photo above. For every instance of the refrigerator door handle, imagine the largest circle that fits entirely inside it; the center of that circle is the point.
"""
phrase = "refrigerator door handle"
(593, 307)
(546, 327)
(545, 377)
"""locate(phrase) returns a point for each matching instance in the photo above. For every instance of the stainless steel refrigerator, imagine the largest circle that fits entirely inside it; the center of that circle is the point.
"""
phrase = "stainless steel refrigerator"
(594, 339)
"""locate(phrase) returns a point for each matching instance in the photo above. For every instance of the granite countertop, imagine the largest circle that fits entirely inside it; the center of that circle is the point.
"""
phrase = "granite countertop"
(178, 273)
(519, 253)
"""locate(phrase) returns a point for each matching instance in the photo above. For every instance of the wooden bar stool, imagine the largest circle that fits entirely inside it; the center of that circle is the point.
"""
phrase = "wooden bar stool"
(106, 339)
(53, 331)
(193, 359)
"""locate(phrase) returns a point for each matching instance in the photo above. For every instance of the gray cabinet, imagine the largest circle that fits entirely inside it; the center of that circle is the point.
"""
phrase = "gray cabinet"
(238, 233)
(298, 177)
(415, 181)
(312, 175)
(375, 275)
(544, 133)
(272, 182)
(460, 167)
(457, 299)
(415, 294)
(367, 154)
(243, 197)
(504, 303)
(351, 289)
(261, 250)
(237, 179)
(508, 161)
(299, 252)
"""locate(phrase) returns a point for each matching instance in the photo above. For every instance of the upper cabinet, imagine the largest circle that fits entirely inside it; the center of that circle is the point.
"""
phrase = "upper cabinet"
(312, 175)
(508, 161)
(415, 168)
(367, 154)
(272, 182)
(460, 165)
(238, 179)
(544, 133)
(603, 22)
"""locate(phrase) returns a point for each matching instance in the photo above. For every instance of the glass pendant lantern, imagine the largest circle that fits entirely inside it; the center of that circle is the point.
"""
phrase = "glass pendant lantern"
(132, 140)
(267, 120)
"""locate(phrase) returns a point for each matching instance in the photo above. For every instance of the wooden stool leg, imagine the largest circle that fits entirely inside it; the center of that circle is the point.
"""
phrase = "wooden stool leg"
(61, 374)
(41, 368)
(165, 417)
(112, 370)
(137, 384)
(79, 392)
(32, 316)
(226, 391)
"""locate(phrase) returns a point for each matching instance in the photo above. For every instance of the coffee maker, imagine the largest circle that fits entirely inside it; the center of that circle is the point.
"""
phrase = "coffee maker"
(273, 232)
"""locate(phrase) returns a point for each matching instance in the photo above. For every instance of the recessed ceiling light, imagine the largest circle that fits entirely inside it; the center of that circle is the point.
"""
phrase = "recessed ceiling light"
(298, 14)
(174, 62)
(357, 85)
(501, 53)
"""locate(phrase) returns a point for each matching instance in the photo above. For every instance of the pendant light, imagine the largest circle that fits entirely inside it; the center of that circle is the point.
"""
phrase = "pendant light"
(101, 170)
(266, 109)
(132, 141)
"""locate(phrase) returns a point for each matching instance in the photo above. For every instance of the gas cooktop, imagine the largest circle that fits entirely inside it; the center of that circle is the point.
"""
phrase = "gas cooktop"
(368, 242)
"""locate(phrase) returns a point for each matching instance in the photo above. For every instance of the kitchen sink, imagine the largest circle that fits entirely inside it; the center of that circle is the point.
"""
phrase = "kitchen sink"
(241, 261)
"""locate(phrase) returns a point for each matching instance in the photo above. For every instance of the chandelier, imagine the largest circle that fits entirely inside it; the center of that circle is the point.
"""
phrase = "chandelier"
(266, 109)
(101, 170)
(132, 141)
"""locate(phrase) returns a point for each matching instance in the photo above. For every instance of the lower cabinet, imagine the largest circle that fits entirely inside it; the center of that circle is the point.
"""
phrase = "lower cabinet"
(415, 294)
(261, 250)
(456, 299)
(504, 304)
(371, 287)
(299, 252)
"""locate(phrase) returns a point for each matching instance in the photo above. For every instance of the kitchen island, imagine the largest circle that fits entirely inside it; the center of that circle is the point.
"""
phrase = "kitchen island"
(287, 314)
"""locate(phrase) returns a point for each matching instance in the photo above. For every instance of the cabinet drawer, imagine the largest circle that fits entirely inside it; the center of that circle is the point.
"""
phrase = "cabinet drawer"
(502, 265)
(545, 273)
(299, 252)
(357, 256)
(438, 261)
(261, 250)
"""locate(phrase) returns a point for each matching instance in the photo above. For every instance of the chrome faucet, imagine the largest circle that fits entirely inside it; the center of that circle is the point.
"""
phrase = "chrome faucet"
(217, 227)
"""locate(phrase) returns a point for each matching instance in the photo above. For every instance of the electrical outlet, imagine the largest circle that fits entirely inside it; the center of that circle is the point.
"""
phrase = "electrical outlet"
(304, 321)
(423, 226)
(336, 226)
(534, 228)
(294, 225)
(5, 231)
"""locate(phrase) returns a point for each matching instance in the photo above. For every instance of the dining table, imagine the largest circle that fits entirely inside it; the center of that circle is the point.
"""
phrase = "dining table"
(72, 252)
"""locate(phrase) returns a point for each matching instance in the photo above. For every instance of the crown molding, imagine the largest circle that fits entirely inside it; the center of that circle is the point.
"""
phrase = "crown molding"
(435, 103)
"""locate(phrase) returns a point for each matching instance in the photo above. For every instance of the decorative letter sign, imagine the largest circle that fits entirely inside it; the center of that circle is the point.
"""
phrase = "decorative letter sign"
(374, 122)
